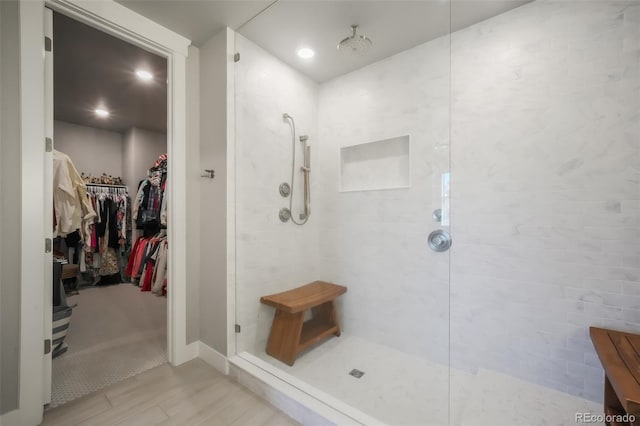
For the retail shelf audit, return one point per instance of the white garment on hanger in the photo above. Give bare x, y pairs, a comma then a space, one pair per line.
64, 196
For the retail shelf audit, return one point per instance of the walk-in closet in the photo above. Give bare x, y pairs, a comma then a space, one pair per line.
110, 211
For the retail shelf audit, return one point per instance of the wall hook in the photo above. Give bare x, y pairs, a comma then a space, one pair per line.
209, 173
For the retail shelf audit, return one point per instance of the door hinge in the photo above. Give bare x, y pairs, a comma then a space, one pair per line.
48, 144
237, 328
48, 245
48, 44
47, 346
236, 57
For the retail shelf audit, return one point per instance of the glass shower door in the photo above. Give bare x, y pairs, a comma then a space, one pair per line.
375, 114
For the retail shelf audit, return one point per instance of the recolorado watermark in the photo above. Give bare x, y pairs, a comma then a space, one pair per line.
605, 418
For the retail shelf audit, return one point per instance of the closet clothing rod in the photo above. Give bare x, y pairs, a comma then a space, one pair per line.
104, 185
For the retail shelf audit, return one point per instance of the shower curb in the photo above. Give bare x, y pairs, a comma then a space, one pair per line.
300, 401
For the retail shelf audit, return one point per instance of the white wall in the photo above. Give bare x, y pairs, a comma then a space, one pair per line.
545, 189
9, 206
271, 256
2, 61
193, 195
214, 58
140, 149
93, 151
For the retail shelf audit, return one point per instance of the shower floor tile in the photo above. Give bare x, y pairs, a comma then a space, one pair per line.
501, 399
402, 389
397, 388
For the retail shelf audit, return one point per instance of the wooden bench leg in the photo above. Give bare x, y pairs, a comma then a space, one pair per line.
285, 336
612, 405
327, 314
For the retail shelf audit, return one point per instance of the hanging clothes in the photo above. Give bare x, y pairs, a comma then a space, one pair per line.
147, 265
70, 204
109, 270
149, 206
160, 271
108, 226
108, 238
148, 203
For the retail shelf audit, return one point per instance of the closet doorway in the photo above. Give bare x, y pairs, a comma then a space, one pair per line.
110, 210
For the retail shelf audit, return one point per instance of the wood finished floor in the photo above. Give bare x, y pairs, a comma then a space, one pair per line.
191, 394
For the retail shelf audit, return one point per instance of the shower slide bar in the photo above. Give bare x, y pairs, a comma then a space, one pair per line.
285, 190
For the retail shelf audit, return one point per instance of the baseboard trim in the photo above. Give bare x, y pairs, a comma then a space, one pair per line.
213, 357
10, 418
184, 353
301, 401
191, 350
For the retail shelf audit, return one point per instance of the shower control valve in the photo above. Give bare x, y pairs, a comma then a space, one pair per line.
284, 215
284, 189
439, 240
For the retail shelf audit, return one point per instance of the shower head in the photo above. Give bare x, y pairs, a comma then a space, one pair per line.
355, 44
285, 116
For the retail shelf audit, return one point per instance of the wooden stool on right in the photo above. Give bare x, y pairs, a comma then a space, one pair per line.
619, 354
290, 334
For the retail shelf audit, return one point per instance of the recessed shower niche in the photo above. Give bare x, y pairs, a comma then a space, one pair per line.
383, 164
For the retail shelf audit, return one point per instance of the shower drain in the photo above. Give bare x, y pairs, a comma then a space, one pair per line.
356, 373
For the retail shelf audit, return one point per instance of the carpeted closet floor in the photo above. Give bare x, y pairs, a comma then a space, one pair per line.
116, 332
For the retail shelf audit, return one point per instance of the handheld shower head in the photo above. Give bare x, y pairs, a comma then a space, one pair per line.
285, 116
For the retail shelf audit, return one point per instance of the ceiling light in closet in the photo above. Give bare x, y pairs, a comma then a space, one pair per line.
306, 53
102, 113
144, 75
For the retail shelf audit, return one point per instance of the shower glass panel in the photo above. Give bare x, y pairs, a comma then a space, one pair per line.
545, 182
375, 114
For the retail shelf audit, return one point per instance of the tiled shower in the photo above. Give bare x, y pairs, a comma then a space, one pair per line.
524, 128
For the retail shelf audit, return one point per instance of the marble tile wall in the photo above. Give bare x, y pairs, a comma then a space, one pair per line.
545, 192
271, 256
375, 242
545, 186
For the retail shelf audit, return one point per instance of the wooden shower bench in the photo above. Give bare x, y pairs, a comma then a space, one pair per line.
619, 354
290, 334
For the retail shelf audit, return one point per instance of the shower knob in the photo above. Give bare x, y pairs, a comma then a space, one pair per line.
285, 189
284, 215
439, 240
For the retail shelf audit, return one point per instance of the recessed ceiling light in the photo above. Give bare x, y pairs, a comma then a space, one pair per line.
306, 53
102, 113
144, 75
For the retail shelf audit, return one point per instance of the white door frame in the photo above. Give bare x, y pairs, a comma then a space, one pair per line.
47, 373
117, 20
